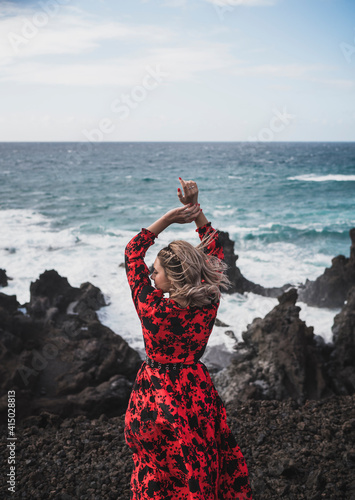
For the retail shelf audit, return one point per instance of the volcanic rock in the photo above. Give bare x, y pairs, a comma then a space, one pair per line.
292, 452
240, 284
53, 293
331, 288
343, 356
280, 358
59, 357
3, 278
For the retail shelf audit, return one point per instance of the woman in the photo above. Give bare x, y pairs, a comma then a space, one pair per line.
176, 423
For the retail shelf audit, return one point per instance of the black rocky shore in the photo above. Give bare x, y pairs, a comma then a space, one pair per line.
293, 452
289, 395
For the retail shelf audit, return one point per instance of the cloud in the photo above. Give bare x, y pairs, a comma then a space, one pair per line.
175, 3
28, 33
335, 83
294, 72
180, 63
279, 70
71, 32
187, 60
245, 3
220, 3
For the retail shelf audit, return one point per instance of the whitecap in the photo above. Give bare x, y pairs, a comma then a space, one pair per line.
97, 258
322, 178
320, 318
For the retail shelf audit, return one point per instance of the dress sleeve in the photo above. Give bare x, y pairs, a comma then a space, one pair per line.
214, 246
143, 293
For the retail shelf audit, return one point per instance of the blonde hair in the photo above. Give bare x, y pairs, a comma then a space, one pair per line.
195, 277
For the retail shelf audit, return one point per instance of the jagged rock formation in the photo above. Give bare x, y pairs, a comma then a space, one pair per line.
3, 278
59, 357
343, 356
331, 288
280, 358
240, 284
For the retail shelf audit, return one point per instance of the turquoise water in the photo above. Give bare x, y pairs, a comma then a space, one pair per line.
73, 206
300, 192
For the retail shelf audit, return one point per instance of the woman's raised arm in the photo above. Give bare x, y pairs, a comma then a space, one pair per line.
189, 194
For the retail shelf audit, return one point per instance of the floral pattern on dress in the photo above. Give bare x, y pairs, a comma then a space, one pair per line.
176, 422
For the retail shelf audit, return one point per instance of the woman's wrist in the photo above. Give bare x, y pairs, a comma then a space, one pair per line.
201, 220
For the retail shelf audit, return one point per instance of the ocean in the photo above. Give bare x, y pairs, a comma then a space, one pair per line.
74, 206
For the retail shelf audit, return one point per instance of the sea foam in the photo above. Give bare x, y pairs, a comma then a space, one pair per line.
322, 178
31, 244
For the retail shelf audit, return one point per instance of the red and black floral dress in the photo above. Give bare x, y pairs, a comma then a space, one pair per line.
176, 422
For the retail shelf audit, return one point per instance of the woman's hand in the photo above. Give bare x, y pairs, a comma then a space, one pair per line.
180, 215
183, 215
190, 192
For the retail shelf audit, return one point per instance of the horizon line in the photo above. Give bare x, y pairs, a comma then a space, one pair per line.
174, 142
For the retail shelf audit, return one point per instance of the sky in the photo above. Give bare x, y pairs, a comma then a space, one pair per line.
177, 70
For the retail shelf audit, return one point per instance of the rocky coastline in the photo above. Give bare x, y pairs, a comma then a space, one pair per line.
295, 452
57, 355
289, 395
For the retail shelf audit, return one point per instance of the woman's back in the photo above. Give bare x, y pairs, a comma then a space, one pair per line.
176, 422
172, 334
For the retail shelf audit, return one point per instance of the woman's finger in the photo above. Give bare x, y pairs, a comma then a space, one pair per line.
191, 188
183, 184
194, 208
184, 215
180, 196
191, 218
192, 212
